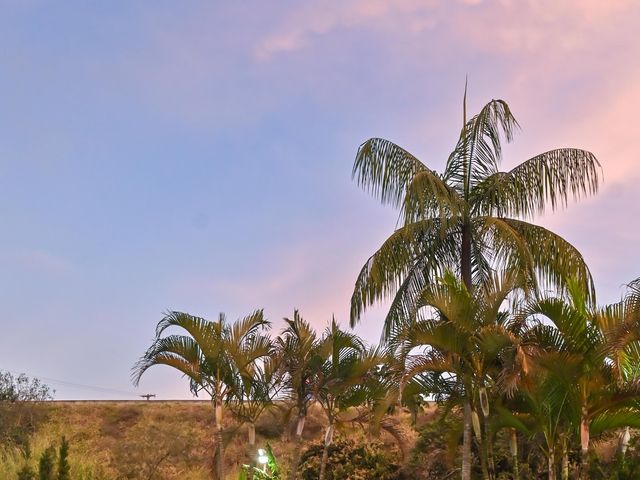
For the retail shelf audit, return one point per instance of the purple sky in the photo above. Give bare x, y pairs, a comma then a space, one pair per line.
197, 155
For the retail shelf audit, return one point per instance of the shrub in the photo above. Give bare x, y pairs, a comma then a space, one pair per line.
46, 466
63, 461
348, 460
26, 473
23, 389
434, 453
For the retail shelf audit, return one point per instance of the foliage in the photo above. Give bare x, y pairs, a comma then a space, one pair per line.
299, 349
348, 459
19, 417
469, 219
27, 473
23, 388
232, 363
434, 452
271, 469
63, 460
47, 464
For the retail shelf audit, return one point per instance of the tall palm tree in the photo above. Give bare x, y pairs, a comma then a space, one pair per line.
299, 348
468, 219
214, 355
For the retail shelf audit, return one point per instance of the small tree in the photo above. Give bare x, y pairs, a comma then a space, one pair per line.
213, 355
342, 380
46, 466
63, 462
299, 349
26, 473
23, 389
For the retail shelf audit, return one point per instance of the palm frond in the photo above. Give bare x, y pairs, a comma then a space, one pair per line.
479, 149
531, 247
385, 170
548, 179
418, 249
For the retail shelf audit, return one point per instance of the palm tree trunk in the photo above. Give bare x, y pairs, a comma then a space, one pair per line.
297, 449
466, 443
513, 445
552, 465
251, 431
625, 437
483, 460
480, 434
219, 459
328, 437
584, 445
488, 445
565, 460
465, 270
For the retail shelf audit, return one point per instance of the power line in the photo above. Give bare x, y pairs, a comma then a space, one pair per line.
73, 384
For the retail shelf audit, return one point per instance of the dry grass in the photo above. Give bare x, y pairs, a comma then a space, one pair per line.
161, 440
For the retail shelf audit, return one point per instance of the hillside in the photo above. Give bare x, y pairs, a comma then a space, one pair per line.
149, 439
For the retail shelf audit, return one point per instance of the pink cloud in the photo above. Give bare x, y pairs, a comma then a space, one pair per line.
320, 18
514, 26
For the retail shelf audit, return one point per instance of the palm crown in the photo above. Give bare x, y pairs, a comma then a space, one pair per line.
471, 218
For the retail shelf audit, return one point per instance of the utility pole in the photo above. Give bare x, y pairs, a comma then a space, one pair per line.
148, 396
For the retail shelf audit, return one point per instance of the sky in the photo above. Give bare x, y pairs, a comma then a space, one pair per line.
197, 156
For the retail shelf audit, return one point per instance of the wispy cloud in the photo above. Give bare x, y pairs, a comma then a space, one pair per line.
319, 18
515, 26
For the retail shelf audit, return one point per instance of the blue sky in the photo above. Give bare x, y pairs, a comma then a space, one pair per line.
197, 155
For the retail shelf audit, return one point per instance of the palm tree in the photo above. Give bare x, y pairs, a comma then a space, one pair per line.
342, 380
463, 344
541, 409
257, 386
584, 349
620, 322
469, 219
215, 356
299, 348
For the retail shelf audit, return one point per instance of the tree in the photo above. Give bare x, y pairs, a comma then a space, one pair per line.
64, 470
342, 379
47, 464
620, 322
470, 219
299, 349
19, 413
23, 389
256, 388
461, 348
583, 350
215, 356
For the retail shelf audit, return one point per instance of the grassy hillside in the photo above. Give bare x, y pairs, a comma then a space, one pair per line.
155, 439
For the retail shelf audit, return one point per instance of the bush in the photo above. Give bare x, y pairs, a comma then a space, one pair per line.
348, 460
435, 450
23, 389
63, 461
27, 473
46, 466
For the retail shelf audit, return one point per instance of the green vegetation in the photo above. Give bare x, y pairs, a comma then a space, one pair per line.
492, 318
227, 362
